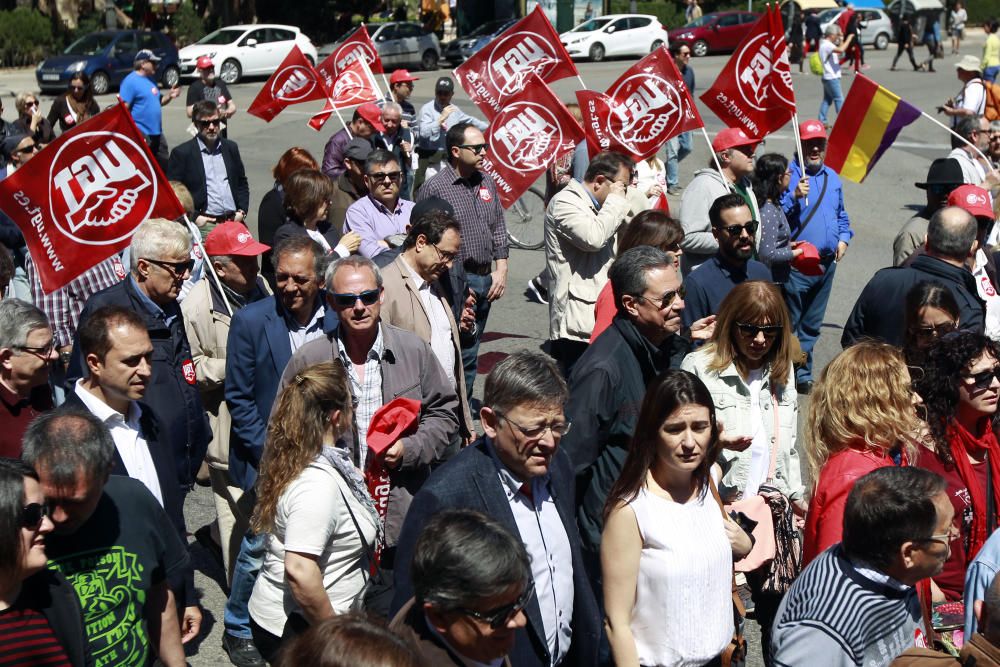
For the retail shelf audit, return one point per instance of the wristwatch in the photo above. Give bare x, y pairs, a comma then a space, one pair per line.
65, 357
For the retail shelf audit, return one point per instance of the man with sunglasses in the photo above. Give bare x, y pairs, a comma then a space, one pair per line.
212, 169
382, 213
734, 229
517, 474
27, 352
944, 175
16, 150
7, 129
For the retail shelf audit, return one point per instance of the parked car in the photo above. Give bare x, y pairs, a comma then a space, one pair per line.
399, 44
107, 58
715, 32
457, 51
876, 28
615, 35
246, 50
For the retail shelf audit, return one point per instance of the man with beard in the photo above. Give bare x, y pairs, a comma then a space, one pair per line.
734, 228
209, 88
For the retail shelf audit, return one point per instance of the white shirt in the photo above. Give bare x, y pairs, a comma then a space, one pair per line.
973, 172
442, 343
760, 447
131, 446
984, 286
972, 97
300, 334
830, 58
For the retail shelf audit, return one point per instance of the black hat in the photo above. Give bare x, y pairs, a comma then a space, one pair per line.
358, 149
425, 206
10, 144
943, 171
444, 85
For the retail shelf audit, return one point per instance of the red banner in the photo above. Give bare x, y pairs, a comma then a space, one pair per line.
350, 50
295, 81
500, 69
645, 107
533, 130
79, 200
353, 87
754, 90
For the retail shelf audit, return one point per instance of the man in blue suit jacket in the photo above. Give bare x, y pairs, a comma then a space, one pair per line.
517, 475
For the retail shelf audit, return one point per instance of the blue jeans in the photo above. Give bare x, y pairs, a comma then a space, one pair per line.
678, 148
236, 615
480, 286
806, 297
831, 94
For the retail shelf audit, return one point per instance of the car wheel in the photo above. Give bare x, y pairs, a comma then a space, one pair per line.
657, 44
699, 48
597, 53
429, 61
230, 72
882, 41
100, 83
171, 77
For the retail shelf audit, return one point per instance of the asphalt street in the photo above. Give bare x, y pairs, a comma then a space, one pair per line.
877, 208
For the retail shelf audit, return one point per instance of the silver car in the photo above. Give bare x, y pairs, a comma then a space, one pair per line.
399, 44
876, 28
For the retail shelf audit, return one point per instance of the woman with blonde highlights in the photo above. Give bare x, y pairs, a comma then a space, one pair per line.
861, 417
315, 507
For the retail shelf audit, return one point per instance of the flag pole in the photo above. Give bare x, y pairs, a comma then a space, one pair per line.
798, 147
384, 80
955, 134
371, 77
715, 158
207, 263
580, 79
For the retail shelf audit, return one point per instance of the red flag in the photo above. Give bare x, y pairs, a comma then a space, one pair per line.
294, 82
79, 200
350, 50
531, 132
645, 107
499, 70
354, 86
661, 204
754, 90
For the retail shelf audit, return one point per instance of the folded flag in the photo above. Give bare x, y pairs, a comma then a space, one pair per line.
870, 120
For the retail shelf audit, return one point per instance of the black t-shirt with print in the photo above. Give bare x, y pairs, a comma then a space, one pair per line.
126, 547
217, 93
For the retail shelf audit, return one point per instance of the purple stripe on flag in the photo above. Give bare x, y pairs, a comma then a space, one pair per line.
903, 115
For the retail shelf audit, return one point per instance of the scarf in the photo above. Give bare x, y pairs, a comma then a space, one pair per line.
341, 461
962, 445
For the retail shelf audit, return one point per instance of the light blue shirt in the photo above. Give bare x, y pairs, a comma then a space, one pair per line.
978, 578
220, 195
373, 222
431, 134
152, 307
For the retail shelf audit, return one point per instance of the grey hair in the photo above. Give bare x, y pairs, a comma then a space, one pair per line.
720, 156
524, 378
294, 245
392, 106
964, 128
628, 272
158, 237
62, 442
17, 320
951, 232
832, 29
463, 557
355, 261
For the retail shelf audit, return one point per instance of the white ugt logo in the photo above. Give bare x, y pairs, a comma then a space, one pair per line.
521, 58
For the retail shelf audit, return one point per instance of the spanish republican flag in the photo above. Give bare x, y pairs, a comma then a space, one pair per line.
868, 123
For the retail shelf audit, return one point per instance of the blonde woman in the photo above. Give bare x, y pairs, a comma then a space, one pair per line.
314, 505
861, 417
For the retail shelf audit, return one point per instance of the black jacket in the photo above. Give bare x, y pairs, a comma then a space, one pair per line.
880, 309
174, 399
186, 166
606, 391
49, 593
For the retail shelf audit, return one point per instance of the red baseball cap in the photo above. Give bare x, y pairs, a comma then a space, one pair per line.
204, 62
730, 138
233, 238
811, 129
401, 75
973, 199
391, 422
370, 112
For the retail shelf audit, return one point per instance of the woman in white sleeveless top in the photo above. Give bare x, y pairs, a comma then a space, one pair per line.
666, 551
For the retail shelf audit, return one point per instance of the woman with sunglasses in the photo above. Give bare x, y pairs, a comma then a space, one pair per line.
74, 106
861, 417
314, 505
31, 120
776, 250
931, 312
960, 387
307, 202
39, 610
667, 549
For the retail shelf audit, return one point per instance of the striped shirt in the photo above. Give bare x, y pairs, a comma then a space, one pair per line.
28, 639
366, 389
64, 305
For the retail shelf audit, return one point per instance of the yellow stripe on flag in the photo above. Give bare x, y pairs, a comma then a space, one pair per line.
870, 135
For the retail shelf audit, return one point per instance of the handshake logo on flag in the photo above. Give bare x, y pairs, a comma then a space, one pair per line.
515, 57
526, 136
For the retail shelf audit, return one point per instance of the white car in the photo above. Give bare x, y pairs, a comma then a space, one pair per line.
246, 50
615, 35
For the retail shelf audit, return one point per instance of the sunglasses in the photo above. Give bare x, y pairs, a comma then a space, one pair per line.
753, 330
983, 379
32, 515
176, 268
475, 148
209, 122
348, 299
27, 149
380, 176
935, 331
666, 300
737, 230
499, 617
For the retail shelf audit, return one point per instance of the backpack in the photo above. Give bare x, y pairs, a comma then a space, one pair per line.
815, 64
992, 109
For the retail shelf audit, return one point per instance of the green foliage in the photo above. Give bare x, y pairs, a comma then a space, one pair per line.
25, 37
982, 10
188, 27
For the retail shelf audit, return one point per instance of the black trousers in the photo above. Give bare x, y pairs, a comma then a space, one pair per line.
908, 47
270, 645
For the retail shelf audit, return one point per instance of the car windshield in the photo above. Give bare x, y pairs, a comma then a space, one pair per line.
91, 45
700, 21
488, 28
591, 25
829, 15
222, 37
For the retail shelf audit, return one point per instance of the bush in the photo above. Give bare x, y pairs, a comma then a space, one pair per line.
982, 10
187, 26
25, 37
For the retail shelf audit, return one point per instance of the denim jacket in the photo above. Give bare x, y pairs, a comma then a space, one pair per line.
731, 396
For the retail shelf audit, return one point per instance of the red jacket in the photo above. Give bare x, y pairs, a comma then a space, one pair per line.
825, 520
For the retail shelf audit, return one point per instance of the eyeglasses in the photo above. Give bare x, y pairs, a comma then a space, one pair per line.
666, 300
348, 299
32, 515
45, 351
444, 256
178, 269
983, 379
535, 432
752, 330
380, 176
737, 230
945, 538
475, 148
935, 331
208, 122
499, 617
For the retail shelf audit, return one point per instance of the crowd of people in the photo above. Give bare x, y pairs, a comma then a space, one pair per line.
630, 496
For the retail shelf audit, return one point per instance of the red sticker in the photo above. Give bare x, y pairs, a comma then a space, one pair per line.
119, 268
987, 286
484, 194
68, 119
196, 251
222, 100
188, 369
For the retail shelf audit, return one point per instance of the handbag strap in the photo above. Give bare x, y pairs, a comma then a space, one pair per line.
771, 469
814, 209
737, 601
373, 564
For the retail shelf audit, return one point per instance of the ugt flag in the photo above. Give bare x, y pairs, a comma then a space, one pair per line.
645, 107
354, 86
500, 69
754, 90
358, 45
294, 82
78, 201
532, 131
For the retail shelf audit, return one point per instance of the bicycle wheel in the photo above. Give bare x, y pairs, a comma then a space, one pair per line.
525, 221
